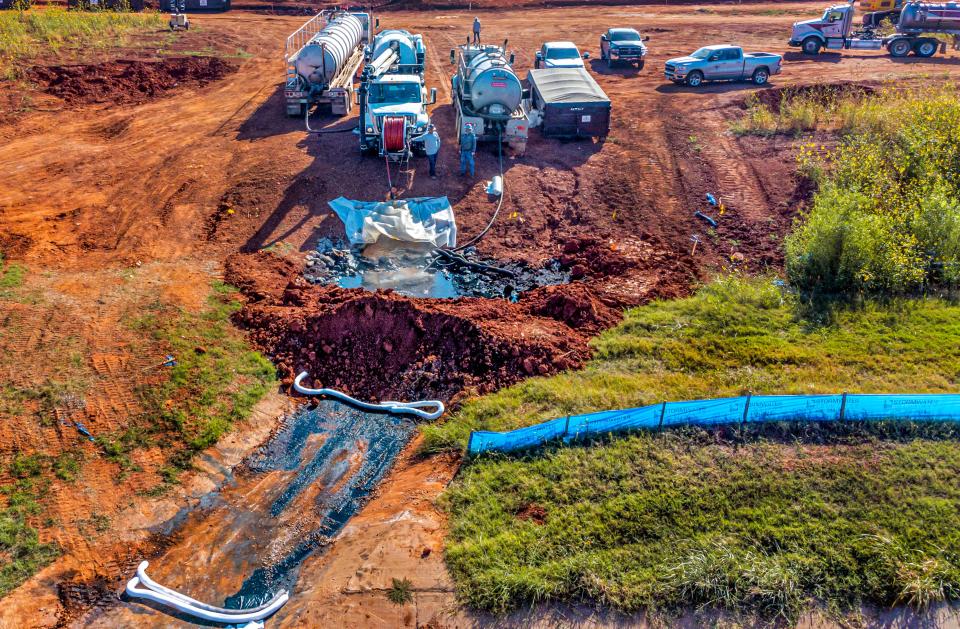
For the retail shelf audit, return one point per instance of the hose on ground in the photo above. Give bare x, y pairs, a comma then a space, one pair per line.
496, 212
156, 593
458, 259
396, 408
306, 121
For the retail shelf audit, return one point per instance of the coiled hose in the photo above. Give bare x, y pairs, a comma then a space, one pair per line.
397, 408
155, 592
394, 134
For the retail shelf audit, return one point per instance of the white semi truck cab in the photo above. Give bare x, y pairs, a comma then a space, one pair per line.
393, 97
834, 30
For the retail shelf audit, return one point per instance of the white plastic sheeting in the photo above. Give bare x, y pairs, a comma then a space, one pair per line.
421, 219
397, 408
153, 591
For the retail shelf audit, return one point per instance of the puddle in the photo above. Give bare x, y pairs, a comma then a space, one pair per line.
304, 485
416, 271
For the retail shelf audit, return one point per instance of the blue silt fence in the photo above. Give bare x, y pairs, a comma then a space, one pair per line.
750, 409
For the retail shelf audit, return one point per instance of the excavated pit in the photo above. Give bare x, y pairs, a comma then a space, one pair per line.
379, 345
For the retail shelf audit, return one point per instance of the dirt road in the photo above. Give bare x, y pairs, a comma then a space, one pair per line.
164, 187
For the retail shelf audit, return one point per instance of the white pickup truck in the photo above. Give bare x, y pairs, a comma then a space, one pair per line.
723, 63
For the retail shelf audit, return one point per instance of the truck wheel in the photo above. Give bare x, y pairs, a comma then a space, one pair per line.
695, 78
811, 46
761, 76
899, 48
925, 48
640, 65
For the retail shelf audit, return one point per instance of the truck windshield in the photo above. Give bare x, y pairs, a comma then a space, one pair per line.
562, 53
394, 93
703, 53
624, 36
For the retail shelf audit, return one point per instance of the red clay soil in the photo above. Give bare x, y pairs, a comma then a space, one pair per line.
383, 345
128, 81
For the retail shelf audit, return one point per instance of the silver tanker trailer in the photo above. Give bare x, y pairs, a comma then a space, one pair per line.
487, 93
322, 57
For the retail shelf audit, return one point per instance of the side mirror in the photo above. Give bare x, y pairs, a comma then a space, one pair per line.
603, 37
539, 55
512, 58
376, 23
453, 56
714, 58
433, 95
646, 38
356, 98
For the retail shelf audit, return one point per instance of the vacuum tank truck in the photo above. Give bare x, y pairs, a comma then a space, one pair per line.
392, 96
487, 94
321, 58
918, 21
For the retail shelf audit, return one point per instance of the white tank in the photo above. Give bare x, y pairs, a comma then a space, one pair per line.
328, 51
491, 86
407, 45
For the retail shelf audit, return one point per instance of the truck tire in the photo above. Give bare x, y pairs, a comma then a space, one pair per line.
640, 64
899, 48
760, 76
695, 78
811, 46
926, 47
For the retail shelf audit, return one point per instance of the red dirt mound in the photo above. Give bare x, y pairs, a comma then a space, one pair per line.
383, 345
573, 304
128, 81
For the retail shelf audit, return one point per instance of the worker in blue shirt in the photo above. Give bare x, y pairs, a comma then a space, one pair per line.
476, 29
468, 147
431, 146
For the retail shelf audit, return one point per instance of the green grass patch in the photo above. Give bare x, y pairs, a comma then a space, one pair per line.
766, 522
11, 278
25, 34
733, 336
217, 379
21, 553
688, 520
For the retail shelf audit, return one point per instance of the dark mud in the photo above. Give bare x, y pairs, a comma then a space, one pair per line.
416, 270
128, 81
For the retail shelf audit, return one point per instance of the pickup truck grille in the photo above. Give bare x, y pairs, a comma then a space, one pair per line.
669, 70
627, 51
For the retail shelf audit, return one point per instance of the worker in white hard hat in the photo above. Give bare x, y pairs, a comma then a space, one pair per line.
476, 29
431, 146
468, 147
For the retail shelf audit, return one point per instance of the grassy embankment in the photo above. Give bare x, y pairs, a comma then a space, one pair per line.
780, 518
216, 381
40, 31
767, 522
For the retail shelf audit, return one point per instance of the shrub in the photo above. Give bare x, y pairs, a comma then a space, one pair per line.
886, 219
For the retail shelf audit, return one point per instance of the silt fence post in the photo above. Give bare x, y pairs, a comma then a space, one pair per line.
746, 410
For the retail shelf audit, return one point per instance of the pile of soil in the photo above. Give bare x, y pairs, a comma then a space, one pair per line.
385, 346
128, 81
